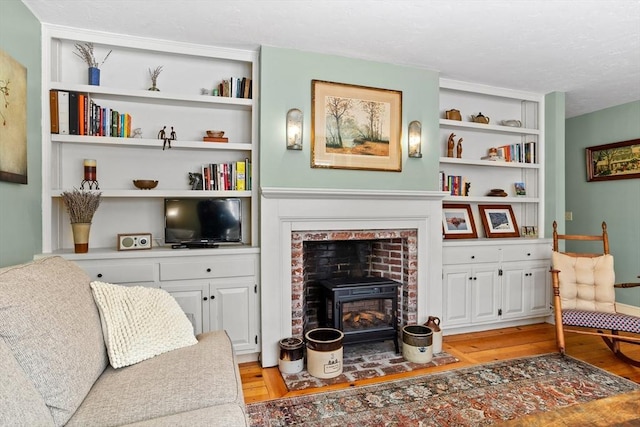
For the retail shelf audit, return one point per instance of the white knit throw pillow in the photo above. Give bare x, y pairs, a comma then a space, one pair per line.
139, 323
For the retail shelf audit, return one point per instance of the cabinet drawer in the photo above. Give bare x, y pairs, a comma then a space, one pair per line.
223, 267
526, 252
460, 255
120, 273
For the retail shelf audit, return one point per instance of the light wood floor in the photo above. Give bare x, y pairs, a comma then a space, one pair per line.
474, 348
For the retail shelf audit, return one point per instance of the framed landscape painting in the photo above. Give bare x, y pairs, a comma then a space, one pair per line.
355, 127
457, 222
619, 160
498, 221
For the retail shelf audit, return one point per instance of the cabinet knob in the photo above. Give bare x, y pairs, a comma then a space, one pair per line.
475, 278
213, 297
205, 298
99, 275
473, 257
528, 254
208, 270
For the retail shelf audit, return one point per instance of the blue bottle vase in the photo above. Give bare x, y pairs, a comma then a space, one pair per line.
94, 76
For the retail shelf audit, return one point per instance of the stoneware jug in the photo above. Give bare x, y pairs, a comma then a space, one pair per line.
433, 323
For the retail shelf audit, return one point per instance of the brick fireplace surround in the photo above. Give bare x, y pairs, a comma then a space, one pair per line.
290, 216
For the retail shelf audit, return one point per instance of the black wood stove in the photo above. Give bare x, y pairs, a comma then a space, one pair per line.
363, 308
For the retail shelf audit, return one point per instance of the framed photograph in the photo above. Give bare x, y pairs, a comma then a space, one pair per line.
498, 221
520, 189
619, 160
457, 221
13, 120
355, 127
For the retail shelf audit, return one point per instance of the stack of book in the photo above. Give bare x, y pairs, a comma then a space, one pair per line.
524, 152
75, 113
236, 87
231, 176
455, 185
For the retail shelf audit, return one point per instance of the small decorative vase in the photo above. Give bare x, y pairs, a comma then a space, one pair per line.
154, 88
94, 76
81, 237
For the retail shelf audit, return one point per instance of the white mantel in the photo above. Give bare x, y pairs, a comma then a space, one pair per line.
284, 210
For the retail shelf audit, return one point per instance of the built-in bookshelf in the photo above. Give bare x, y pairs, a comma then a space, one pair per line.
136, 133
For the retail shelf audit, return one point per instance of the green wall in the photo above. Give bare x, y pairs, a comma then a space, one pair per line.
285, 83
20, 205
617, 202
554, 143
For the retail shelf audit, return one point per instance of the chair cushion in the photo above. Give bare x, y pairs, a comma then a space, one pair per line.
586, 283
51, 325
139, 323
598, 320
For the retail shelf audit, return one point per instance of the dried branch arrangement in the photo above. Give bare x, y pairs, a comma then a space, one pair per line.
81, 205
85, 52
154, 74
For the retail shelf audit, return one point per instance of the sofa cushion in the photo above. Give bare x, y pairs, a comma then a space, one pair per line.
190, 378
227, 414
52, 326
586, 283
20, 402
139, 323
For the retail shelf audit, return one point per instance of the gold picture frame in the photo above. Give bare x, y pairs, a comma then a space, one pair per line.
355, 127
457, 221
498, 221
618, 160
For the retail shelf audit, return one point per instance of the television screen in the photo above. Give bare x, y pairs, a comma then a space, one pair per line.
202, 220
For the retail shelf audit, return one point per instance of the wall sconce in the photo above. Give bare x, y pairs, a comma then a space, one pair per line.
415, 139
294, 129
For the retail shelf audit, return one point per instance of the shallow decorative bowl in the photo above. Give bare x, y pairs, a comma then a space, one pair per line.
145, 184
215, 133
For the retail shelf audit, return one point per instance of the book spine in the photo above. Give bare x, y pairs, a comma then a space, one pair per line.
81, 115
73, 113
240, 176
63, 113
53, 110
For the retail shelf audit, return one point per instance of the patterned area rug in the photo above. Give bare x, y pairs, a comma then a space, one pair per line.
472, 396
362, 361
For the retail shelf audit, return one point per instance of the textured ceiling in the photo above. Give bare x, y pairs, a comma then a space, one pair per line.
589, 49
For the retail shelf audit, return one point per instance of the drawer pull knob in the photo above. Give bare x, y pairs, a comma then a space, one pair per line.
205, 298
473, 257
99, 275
208, 270
213, 297
528, 254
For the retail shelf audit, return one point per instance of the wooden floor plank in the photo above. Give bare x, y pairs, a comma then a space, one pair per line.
472, 348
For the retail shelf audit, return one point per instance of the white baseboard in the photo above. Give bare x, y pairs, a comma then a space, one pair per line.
631, 310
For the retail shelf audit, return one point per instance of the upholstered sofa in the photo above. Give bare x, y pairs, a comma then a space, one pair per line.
56, 368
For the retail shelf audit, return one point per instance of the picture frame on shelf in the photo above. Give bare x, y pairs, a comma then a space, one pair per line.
520, 189
530, 231
498, 221
356, 144
618, 160
457, 221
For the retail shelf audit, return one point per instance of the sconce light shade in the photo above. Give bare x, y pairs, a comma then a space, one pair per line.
294, 129
415, 139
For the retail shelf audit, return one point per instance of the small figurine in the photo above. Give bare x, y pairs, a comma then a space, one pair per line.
467, 188
450, 144
137, 133
459, 149
162, 133
173, 134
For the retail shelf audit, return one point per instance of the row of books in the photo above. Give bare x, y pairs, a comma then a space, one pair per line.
227, 176
240, 87
524, 152
75, 113
455, 185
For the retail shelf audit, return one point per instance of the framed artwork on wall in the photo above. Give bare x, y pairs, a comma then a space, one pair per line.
498, 221
618, 160
13, 120
355, 127
457, 221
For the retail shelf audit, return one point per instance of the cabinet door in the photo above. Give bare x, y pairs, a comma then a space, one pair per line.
539, 283
234, 310
194, 300
457, 295
514, 290
485, 295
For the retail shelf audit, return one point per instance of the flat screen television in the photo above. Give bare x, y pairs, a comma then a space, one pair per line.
211, 220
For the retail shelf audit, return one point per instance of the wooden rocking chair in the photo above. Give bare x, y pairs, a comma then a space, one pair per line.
584, 296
